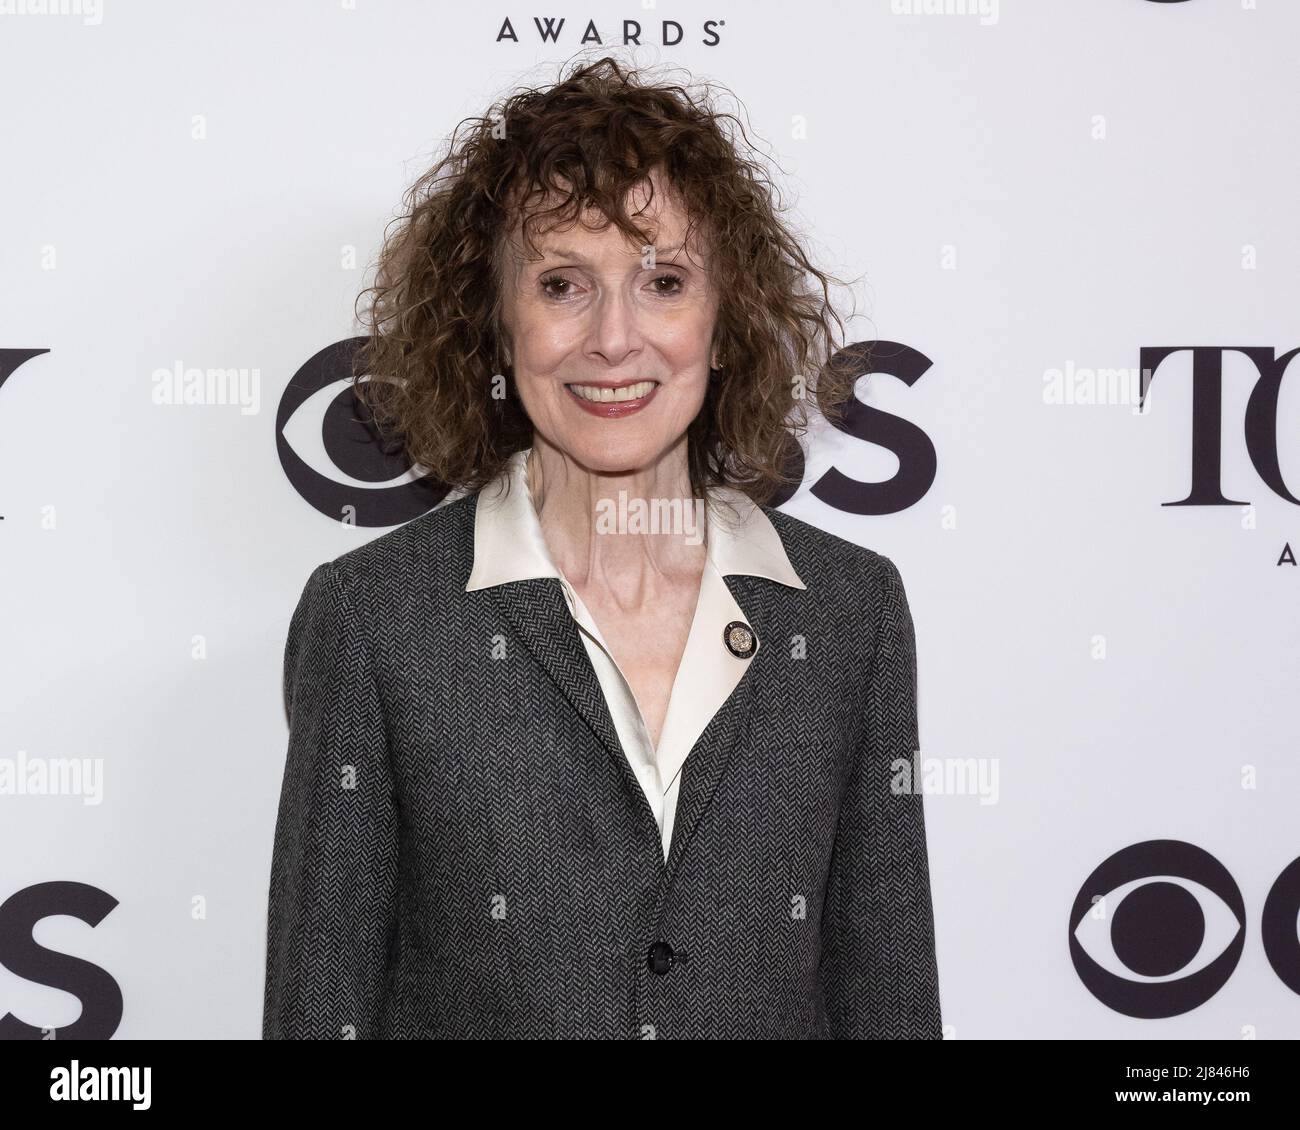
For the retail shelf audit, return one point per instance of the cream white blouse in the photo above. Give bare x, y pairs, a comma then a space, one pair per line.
509, 546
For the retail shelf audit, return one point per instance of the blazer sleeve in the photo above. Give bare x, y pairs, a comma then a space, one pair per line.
879, 971
332, 905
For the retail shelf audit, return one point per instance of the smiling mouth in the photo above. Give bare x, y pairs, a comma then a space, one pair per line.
613, 402
603, 394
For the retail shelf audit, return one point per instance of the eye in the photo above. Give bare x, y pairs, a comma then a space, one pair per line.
676, 282
558, 287
546, 282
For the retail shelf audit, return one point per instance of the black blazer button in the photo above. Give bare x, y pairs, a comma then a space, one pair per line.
660, 958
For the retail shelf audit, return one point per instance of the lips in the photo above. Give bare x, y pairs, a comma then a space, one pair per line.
613, 401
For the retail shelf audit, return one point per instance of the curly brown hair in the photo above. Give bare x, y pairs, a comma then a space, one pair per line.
435, 342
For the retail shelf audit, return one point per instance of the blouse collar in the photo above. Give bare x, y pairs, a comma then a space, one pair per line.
509, 545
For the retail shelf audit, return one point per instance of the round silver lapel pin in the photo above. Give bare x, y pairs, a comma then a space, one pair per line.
740, 639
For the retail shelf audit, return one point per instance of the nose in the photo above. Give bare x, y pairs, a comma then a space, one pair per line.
615, 330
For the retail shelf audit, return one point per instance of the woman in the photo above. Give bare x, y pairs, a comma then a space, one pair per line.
603, 747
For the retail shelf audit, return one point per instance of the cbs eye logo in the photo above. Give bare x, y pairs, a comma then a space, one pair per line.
1159, 927
330, 451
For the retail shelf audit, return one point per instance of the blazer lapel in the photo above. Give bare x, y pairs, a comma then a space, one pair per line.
722, 737
537, 611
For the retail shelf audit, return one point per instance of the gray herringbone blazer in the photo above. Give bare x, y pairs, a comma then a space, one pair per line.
462, 849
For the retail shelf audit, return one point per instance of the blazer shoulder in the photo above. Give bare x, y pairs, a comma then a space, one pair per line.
820, 555
434, 549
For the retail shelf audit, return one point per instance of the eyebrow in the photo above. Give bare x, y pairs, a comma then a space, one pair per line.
568, 253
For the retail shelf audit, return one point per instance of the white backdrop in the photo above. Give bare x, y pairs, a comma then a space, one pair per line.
1027, 188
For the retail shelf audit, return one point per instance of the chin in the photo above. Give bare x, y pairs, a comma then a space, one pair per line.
607, 448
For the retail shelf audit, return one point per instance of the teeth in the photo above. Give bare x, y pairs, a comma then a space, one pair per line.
613, 395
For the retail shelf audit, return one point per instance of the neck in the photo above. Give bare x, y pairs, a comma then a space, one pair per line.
633, 533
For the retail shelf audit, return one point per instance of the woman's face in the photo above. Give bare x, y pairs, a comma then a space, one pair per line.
610, 342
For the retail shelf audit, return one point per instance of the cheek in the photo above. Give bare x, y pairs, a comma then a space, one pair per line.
692, 397
540, 396
693, 379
